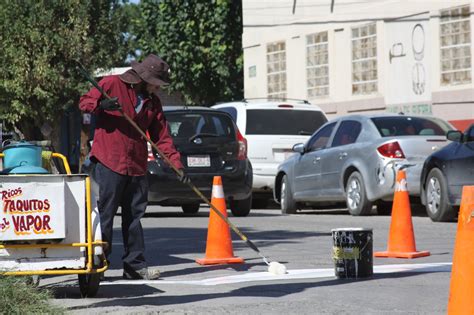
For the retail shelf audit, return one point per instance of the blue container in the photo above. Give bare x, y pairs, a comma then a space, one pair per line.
27, 170
21, 154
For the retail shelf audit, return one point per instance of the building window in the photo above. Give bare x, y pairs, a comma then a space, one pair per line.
252, 71
455, 39
364, 59
317, 65
276, 70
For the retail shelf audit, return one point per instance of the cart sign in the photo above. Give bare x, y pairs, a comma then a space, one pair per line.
32, 211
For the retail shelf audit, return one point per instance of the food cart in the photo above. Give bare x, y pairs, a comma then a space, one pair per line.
48, 226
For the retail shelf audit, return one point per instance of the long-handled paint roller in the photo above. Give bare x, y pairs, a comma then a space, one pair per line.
274, 267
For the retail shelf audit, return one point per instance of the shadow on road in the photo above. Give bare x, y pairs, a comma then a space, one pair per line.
193, 241
203, 212
271, 289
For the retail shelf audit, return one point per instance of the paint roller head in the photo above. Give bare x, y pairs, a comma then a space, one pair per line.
276, 268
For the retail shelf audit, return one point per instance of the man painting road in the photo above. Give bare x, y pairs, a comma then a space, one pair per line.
119, 153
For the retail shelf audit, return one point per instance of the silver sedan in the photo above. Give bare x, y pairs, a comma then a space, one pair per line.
354, 159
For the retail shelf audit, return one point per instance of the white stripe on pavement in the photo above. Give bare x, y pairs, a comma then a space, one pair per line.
292, 274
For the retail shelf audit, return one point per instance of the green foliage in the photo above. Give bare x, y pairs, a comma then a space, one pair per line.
201, 40
19, 297
39, 42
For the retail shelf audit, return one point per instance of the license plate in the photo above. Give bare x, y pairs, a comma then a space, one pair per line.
199, 161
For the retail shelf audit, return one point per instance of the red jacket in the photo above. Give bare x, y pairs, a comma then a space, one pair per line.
117, 144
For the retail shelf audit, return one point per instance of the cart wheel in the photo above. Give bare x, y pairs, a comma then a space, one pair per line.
89, 284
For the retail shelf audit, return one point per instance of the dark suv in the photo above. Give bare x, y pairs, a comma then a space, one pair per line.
210, 144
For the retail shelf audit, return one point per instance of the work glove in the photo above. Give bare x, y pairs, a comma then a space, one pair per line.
109, 104
183, 177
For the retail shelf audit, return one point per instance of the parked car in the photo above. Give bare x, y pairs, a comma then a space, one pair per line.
271, 128
210, 144
444, 174
354, 159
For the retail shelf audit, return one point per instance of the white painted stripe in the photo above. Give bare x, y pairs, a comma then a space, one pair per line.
217, 191
291, 275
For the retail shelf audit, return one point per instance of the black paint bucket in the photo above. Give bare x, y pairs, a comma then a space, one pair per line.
352, 252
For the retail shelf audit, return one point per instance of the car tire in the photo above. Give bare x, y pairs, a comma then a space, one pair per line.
437, 202
190, 208
241, 208
356, 196
288, 204
384, 207
259, 203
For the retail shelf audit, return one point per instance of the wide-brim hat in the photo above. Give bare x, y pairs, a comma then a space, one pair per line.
152, 70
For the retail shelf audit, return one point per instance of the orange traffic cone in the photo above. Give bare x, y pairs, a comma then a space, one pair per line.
461, 292
219, 243
401, 241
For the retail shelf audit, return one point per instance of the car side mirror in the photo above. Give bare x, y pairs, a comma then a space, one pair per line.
454, 135
299, 148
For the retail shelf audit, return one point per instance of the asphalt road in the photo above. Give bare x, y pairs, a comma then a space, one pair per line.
302, 242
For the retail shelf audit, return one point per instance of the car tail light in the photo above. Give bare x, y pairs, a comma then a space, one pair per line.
242, 155
285, 106
391, 150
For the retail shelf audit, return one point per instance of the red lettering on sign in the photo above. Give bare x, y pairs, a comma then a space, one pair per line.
16, 224
4, 225
46, 205
29, 221
23, 225
10, 193
46, 220
26, 206
5, 205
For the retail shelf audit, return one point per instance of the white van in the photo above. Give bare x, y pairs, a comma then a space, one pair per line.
271, 128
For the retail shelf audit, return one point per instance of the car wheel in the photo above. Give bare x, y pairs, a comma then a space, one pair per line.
190, 208
259, 203
241, 208
384, 208
437, 203
356, 197
288, 204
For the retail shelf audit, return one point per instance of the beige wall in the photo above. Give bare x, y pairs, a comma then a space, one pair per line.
269, 21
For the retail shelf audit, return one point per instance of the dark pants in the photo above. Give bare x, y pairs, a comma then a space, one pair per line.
131, 193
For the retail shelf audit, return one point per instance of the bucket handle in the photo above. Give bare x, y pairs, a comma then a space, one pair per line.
6, 142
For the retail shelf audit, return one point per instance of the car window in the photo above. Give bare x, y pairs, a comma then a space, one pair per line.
320, 139
283, 122
410, 126
470, 134
232, 111
347, 133
185, 125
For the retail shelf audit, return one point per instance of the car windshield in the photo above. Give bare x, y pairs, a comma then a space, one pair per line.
410, 126
283, 122
185, 125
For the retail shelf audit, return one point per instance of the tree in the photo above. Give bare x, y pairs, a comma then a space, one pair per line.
202, 42
39, 44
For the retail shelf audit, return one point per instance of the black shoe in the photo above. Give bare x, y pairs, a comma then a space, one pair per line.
142, 274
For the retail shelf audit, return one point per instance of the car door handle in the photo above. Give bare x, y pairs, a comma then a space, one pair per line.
316, 160
342, 155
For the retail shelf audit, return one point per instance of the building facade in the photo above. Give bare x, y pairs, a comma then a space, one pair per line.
411, 56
